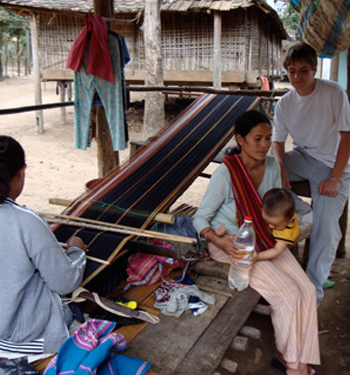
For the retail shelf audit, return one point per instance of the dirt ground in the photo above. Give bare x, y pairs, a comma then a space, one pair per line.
57, 169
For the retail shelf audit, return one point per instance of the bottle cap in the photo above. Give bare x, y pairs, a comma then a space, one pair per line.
248, 218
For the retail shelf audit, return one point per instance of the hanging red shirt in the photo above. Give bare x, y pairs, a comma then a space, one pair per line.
99, 59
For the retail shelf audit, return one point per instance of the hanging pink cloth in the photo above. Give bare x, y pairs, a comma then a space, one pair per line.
99, 59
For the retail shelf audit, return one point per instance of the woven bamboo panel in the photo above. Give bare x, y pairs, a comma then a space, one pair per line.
187, 41
234, 39
56, 35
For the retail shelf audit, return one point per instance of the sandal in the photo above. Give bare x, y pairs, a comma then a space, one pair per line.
328, 284
278, 365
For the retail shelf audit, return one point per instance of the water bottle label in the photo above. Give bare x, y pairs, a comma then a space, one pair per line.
245, 255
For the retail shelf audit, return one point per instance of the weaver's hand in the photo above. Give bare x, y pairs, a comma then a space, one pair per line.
329, 187
76, 241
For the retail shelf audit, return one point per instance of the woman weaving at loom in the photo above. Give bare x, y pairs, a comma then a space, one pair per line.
33, 267
233, 192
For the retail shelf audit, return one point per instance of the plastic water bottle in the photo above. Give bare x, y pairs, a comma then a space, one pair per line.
238, 276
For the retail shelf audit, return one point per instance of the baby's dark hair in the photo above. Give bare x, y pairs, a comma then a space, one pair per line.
244, 124
278, 202
299, 52
12, 159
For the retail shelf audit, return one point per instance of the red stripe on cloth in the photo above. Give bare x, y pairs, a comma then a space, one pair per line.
248, 201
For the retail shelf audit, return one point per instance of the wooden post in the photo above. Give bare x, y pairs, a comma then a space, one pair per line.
107, 158
334, 68
260, 47
28, 68
154, 117
250, 44
63, 99
217, 51
348, 73
36, 67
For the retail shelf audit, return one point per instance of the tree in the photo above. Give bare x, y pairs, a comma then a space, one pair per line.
154, 103
12, 27
4, 36
289, 17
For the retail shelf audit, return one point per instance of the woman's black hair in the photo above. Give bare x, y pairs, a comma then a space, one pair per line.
12, 159
244, 124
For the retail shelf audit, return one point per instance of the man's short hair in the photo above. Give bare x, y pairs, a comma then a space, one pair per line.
300, 51
278, 202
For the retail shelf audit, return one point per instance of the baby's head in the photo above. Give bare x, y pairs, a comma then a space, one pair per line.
278, 208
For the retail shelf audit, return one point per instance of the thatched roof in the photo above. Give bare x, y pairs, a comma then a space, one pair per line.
136, 6
133, 5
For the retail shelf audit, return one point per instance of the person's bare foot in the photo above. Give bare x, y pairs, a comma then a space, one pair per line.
303, 369
311, 370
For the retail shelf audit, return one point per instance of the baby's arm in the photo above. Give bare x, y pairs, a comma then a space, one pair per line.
272, 253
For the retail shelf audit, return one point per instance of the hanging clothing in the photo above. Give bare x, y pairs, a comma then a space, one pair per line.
111, 95
99, 61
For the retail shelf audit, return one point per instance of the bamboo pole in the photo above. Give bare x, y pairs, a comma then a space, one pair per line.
160, 217
94, 259
105, 226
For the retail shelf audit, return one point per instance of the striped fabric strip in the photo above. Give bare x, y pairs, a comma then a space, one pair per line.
248, 201
150, 182
31, 347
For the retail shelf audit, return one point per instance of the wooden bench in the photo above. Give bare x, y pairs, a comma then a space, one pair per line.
196, 344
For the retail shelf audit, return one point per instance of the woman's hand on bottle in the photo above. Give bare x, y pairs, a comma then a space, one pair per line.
227, 244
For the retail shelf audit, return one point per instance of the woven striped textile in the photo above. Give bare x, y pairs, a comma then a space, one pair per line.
150, 182
248, 202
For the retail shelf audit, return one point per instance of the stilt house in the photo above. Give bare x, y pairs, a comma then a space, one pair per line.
244, 36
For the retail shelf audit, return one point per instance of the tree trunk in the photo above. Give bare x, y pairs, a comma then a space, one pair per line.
36, 67
348, 73
28, 59
18, 57
107, 158
154, 105
1, 69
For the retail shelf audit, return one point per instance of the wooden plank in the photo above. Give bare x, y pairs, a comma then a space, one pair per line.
191, 76
138, 76
217, 286
212, 268
212, 345
166, 344
57, 75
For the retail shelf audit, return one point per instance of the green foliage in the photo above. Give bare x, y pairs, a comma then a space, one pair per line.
289, 16
12, 36
290, 20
